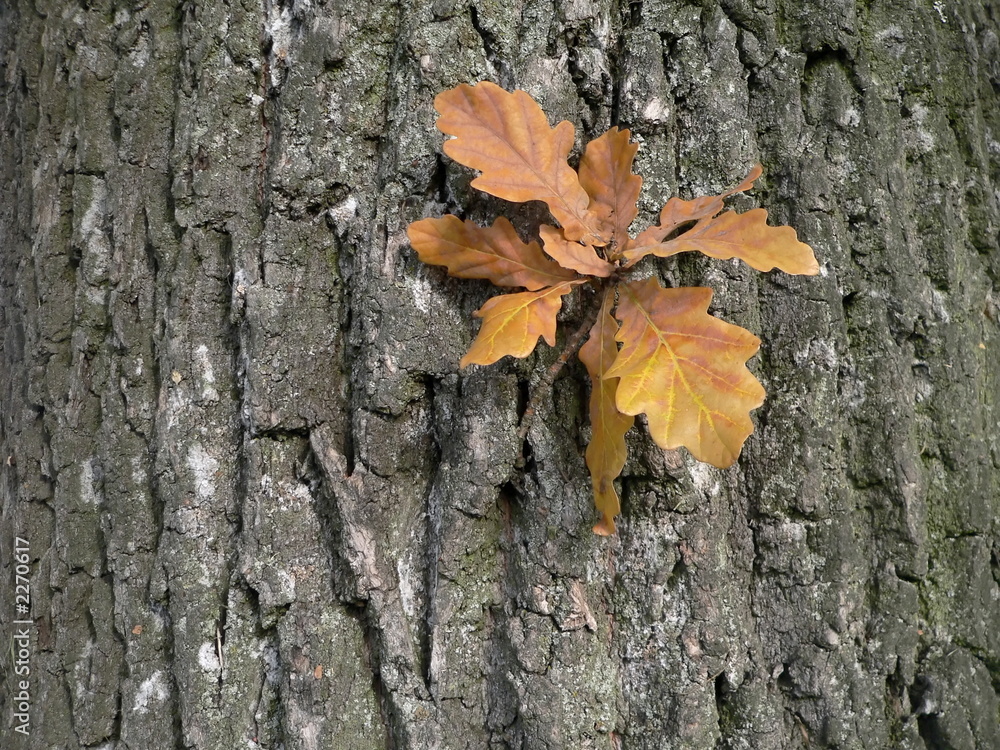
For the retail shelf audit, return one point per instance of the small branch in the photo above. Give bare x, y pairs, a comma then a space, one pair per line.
543, 387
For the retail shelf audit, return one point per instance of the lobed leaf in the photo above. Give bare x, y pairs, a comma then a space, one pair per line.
685, 370
606, 175
512, 324
678, 211
470, 251
582, 258
606, 452
745, 236
507, 137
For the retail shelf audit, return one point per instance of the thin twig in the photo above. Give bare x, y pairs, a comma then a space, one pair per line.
544, 386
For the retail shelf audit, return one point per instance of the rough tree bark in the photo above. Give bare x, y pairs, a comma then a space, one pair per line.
263, 507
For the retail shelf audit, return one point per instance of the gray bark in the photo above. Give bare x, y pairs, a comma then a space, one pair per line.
264, 507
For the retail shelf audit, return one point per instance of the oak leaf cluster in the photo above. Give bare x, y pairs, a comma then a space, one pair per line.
651, 350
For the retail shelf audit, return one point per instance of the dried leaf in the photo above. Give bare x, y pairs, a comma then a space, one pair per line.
512, 324
606, 452
744, 236
685, 370
606, 175
507, 137
470, 251
582, 258
678, 211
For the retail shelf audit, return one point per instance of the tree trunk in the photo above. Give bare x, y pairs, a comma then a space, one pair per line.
260, 505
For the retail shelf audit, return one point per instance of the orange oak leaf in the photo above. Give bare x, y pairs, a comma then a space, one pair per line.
512, 324
678, 211
573, 255
470, 251
685, 370
745, 236
606, 175
606, 452
507, 137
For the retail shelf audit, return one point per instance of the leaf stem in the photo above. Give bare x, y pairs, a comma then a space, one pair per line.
544, 386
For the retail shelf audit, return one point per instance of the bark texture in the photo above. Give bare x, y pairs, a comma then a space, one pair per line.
265, 509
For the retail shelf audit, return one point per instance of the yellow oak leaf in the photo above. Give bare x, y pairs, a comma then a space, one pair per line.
685, 370
606, 452
512, 324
